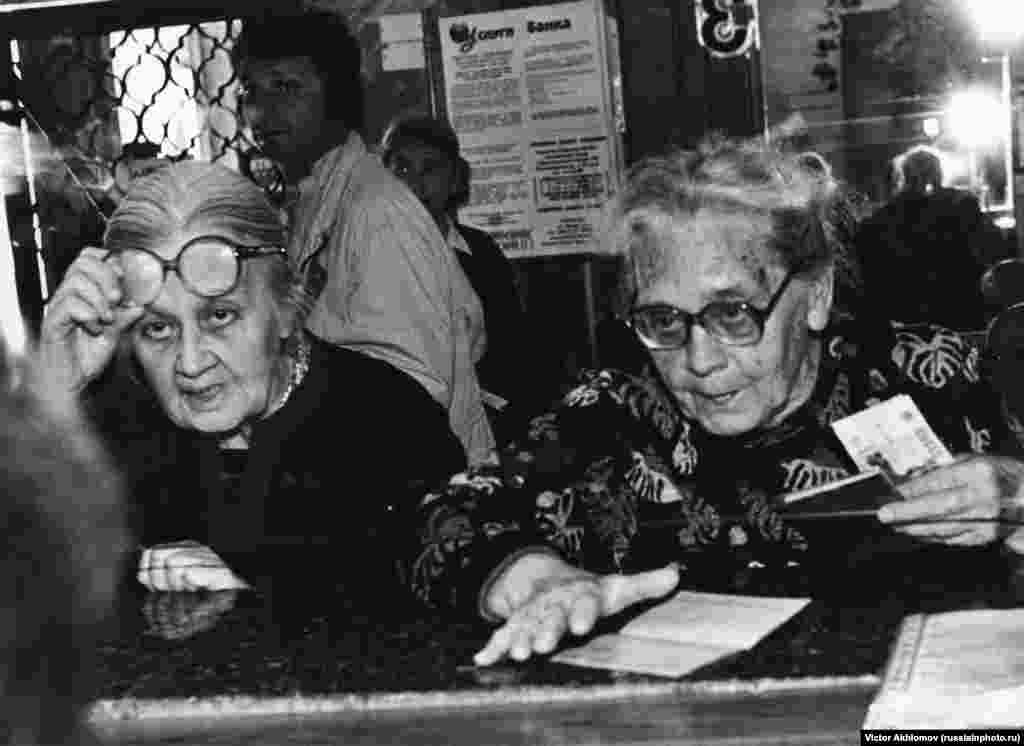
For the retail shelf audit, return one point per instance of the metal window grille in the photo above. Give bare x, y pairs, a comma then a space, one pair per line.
172, 87
92, 102
175, 88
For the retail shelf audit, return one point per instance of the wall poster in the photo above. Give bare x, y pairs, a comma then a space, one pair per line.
530, 93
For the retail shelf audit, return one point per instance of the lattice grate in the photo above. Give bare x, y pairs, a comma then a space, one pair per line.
92, 102
172, 88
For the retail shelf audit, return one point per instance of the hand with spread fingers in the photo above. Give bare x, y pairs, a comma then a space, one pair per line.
85, 318
542, 597
975, 500
186, 566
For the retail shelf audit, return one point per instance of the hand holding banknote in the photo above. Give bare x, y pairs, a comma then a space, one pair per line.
974, 500
964, 501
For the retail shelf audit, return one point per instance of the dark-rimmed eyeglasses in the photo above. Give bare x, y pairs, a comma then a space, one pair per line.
661, 326
207, 265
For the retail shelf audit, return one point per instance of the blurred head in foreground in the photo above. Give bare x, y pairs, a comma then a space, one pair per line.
64, 539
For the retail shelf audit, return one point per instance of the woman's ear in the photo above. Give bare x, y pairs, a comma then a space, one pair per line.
287, 320
819, 302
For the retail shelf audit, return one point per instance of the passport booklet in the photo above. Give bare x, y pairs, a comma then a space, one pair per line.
889, 443
857, 496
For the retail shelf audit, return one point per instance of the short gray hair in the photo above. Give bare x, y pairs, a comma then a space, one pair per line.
175, 198
810, 214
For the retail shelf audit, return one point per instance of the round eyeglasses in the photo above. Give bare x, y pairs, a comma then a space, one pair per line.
664, 327
207, 265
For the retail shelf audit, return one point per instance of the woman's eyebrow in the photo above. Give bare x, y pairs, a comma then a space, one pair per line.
237, 299
728, 293
234, 297
739, 290
732, 293
152, 311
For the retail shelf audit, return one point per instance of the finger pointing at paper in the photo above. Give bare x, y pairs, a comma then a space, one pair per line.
542, 597
970, 502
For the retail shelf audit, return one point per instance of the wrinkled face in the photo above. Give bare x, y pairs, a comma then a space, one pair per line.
426, 170
285, 104
213, 363
732, 390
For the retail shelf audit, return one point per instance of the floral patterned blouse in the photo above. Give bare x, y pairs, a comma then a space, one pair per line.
615, 479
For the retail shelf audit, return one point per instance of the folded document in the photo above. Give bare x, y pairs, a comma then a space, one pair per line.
684, 633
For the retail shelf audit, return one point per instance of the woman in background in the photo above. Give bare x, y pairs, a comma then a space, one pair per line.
424, 153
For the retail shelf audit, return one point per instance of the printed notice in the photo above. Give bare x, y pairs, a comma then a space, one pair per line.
530, 98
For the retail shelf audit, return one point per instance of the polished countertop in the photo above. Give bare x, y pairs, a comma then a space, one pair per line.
298, 641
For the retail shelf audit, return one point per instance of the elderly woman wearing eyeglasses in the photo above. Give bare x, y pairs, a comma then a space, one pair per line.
244, 440
730, 264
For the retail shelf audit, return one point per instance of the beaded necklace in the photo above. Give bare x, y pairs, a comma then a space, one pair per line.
300, 366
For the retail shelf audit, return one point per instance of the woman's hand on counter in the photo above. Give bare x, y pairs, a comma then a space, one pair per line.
542, 597
186, 566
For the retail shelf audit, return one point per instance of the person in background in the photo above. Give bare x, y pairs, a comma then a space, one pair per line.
924, 252
249, 447
424, 153
729, 264
65, 539
385, 282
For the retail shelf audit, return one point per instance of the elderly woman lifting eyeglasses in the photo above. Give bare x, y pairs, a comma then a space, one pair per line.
243, 438
731, 260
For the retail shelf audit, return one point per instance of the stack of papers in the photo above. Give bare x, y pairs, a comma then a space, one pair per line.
961, 669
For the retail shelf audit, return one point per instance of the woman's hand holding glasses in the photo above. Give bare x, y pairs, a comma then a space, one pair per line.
84, 319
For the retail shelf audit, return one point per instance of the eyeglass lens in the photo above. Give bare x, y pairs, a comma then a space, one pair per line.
143, 276
669, 327
208, 268
732, 322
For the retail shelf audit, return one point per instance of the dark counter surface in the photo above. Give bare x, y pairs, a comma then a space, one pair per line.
297, 636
